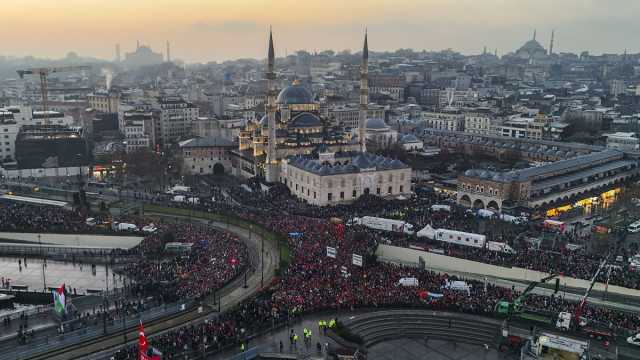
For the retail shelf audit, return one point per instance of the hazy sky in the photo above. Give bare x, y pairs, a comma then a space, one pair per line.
203, 30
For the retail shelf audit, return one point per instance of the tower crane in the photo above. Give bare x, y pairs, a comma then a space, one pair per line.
44, 81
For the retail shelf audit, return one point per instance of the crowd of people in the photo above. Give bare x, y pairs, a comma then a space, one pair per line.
315, 282
213, 259
20, 217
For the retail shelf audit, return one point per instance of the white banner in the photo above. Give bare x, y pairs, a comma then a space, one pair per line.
357, 260
331, 252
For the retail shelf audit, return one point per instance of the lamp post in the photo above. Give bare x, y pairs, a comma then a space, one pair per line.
44, 264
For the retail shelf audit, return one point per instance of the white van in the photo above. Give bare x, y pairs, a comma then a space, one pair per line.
634, 227
564, 321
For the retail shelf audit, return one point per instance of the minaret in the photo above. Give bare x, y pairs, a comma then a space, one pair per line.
551, 43
271, 165
535, 31
118, 53
168, 52
364, 95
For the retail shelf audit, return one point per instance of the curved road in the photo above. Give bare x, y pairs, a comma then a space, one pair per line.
232, 294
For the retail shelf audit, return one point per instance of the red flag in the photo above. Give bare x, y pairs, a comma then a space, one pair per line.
142, 343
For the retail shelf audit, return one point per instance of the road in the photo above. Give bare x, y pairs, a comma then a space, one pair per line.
231, 295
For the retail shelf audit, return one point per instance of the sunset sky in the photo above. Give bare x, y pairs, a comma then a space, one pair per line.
204, 30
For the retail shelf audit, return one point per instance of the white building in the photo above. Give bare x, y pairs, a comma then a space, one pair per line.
176, 118
206, 156
623, 141
524, 128
342, 178
451, 97
410, 142
347, 115
379, 133
477, 123
447, 120
138, 129
8, 133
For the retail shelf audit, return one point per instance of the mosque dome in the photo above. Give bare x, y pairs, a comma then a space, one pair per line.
376, 124
264, 121
305, 120
295, 94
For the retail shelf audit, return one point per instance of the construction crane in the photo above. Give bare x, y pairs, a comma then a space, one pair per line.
510, 308
44, 81
567, 320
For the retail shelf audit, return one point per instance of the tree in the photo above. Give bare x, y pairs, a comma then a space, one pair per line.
144, 163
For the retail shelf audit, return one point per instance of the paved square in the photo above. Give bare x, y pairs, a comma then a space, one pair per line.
75, 276
413, 349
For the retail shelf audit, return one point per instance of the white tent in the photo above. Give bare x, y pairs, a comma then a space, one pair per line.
427, 232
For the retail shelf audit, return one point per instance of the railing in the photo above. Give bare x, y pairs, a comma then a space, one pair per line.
47, 343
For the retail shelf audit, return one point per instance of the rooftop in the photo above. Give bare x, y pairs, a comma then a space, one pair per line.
210, 141
348, 163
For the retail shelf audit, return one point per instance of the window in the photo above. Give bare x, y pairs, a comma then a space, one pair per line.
329, 196
341, 195
401, 176
401, 188
389, 190
354, 181
296, 187
342, 183
390, 177
353, 194
329, 184
378, 191
314, 194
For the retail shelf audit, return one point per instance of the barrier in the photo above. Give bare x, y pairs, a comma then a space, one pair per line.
381, 326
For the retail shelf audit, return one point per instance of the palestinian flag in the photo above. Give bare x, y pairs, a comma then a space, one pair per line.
144, 350
59, 300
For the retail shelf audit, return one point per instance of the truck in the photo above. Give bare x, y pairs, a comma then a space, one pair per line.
516, 308
126, 227
383, 224
460, 238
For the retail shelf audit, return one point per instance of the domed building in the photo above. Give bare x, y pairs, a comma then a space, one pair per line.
531, 51
298, 129
380, 134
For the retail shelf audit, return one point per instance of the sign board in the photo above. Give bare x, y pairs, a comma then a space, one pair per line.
408, 281
331, 252
357, 260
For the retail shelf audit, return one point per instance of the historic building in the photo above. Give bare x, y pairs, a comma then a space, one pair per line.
556, 184
206, 155
321, 163
291, 126
339, 178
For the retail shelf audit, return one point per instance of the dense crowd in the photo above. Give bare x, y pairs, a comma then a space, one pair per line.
549, 256
20, 217
314, 282
214, 258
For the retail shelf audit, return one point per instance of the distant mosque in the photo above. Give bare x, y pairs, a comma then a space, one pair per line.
533, 52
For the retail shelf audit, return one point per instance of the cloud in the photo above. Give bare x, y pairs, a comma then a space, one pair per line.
227, 26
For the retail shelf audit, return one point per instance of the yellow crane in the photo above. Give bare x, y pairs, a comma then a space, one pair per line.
44, 81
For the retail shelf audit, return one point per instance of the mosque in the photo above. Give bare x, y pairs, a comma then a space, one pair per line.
533, 52
293, 144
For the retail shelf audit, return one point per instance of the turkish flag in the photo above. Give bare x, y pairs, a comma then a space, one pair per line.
142, 343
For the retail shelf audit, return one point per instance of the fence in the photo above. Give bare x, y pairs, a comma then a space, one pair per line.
43, 344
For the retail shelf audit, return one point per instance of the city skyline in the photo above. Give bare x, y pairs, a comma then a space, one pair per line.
201, 31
